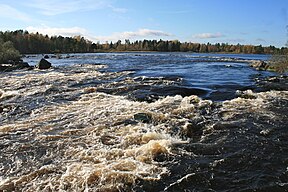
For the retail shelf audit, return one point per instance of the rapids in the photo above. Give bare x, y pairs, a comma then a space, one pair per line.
87, 127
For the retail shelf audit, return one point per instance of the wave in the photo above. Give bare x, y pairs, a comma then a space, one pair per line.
60, 133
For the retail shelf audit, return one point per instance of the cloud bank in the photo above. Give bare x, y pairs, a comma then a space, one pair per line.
134, 35
74, 31
54, 31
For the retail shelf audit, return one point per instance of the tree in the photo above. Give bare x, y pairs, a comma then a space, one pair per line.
280, 61
8, 52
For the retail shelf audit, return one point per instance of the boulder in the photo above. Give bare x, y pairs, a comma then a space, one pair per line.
22, 65
46, 56
5, 67
14, 66
43, 64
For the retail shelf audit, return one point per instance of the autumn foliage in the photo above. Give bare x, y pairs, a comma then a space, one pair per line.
27, 43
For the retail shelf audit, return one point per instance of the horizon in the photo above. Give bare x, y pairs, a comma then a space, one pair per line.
233, 22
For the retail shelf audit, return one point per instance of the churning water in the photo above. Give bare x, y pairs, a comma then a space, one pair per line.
142, 122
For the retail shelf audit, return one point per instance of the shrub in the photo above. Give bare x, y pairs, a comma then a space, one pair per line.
8, 52
279, 63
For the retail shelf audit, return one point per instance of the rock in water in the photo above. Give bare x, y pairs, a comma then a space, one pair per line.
43, 64
22, 65
14, 66
143, 117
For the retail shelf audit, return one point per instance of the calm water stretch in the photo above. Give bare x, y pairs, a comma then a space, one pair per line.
142, 122
211, 80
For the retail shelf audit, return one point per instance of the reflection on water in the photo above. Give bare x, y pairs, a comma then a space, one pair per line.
95, 128
218, 80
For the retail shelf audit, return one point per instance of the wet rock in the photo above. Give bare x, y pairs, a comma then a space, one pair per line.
248, 94
279, 83
125, 122
226, 125
22, 65
109, 140
43, 64
160, 157
5, 67
14, 65
46, 56
143, 117
194, 128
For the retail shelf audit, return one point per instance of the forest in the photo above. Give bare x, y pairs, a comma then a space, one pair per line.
35, 43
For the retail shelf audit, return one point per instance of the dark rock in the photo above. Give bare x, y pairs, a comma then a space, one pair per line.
160, 157
14, 66
6, 67
46, 57
279, 83
109, 140
43, 64
248, 94
194, 129
226, 125
143, 117
126, 122
22, 65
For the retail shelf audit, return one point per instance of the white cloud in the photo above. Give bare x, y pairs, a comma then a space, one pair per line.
65, 32
55, 7
10, 12
208, 35
134, 35
74, 31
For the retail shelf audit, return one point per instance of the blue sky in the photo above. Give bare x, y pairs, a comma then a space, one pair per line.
224, 21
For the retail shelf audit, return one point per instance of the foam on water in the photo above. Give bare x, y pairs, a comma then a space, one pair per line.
85, 143
59, 133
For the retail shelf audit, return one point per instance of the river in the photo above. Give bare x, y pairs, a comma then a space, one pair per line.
142, 122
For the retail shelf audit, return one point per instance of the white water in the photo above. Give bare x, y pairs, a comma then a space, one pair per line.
93, 142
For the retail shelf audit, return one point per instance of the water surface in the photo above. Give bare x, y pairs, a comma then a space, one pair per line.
142, 122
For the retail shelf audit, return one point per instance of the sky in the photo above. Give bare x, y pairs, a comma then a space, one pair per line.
216, 21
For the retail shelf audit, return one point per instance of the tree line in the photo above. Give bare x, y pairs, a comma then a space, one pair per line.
28, 43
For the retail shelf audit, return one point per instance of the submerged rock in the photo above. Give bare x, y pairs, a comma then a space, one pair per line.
143, 117
44, 64
279, 83
248, 94
14, 65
